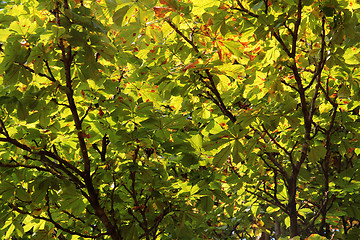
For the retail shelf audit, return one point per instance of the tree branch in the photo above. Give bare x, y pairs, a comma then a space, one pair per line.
276, 142
40, 74
49, 70
320, 67
212, 87
112, 210
267, 200
94, 227
158, 220
243, 9
289, 29
57, 225
278, 165
60, 104
17, 165
43, 157
182, 35
283, 45
86, 113
289, 85
3, 129
296, 29
67, 58
311, 223
220, 104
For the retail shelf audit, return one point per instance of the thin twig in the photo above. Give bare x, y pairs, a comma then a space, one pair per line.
282, 43
60, 104
86, 113
322, 61
112, 210
243, 9
289, 85
56, 224
40, 74
267, 200
275, 141
289, 29
6, 165
49, 70
3, 128
182, 35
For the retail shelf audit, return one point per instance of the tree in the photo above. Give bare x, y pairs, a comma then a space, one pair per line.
179, 119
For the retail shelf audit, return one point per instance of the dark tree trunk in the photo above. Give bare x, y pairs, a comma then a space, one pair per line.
292, 206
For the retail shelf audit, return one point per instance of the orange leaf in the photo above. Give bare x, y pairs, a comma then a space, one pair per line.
220, 54
161, 11
205, 30
350, 150
190, 65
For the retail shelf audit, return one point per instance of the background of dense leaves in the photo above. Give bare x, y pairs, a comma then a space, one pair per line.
169, 119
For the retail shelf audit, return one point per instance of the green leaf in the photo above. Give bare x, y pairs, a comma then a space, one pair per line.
230, 210
328, 11
316, 237
234, 48
237, 147
130, 232
196, 141
19, 228
287, 222
344, 92
23, 195
255, 210
10, 231
272, 55
119, 14
232, 70
272, 209
58, 31
217, 140
158, 134
157, 35
189, 159
11, 75
22, 112
206, 204
221, 157
317, 153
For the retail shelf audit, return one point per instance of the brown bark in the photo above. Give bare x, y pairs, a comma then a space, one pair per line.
292, 206
278, 229
67, 59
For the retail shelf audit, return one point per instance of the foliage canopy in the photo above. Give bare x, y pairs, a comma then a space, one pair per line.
198, 119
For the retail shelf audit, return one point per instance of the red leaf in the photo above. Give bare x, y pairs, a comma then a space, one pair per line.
101, 113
